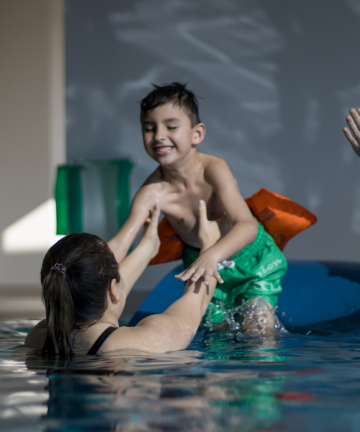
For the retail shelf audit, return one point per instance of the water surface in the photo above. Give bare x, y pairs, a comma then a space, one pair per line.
223, 382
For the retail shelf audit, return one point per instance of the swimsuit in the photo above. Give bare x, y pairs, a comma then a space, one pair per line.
100, 340
254, 271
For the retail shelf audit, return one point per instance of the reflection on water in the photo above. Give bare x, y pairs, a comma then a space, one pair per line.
224, 382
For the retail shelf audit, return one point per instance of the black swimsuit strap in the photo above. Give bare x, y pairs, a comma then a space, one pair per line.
100, 340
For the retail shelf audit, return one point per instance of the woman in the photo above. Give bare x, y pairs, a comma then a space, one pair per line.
84, 295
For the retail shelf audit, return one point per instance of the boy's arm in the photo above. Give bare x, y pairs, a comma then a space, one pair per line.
242, 233
353, 121
141, 208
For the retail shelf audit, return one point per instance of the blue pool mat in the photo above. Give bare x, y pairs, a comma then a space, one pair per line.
313, 292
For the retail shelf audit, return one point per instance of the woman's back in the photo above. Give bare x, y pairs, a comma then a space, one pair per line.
91, 341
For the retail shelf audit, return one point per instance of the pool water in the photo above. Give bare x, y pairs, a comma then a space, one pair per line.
223, 382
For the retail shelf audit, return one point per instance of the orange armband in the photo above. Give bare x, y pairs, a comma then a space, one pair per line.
281, 217
171, 245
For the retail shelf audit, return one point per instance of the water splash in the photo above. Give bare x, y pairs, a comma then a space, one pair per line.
252, 317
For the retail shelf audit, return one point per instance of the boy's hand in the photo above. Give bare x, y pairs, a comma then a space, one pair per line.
353, 121
206, 265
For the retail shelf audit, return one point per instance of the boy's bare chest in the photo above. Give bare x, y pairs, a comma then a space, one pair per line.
182, 210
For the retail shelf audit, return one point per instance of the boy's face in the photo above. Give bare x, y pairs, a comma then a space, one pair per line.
167, 134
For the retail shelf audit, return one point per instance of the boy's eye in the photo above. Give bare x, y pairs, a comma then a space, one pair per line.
148, 129
171, 127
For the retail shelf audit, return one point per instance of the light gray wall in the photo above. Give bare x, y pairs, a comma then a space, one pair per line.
276, 78
32, 122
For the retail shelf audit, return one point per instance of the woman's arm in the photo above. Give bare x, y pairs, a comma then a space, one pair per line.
135, 263
175, 328
141, 206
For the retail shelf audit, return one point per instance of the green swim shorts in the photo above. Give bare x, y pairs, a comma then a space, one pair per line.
255, 271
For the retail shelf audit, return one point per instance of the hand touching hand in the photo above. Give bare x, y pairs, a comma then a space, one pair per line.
206, 265
353, 121
150, 236
209, 231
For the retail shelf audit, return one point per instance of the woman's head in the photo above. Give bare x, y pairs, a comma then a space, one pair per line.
75, 275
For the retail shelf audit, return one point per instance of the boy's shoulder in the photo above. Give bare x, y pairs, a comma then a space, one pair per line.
153, 184
214, 166
155, 179
150, 190
211, 161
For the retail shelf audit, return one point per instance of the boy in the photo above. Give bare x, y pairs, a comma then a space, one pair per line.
172, 131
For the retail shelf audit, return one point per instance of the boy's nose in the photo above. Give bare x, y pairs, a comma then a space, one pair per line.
160, 133
159, 137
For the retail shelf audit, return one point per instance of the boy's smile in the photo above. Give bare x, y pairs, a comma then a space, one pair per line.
168, 135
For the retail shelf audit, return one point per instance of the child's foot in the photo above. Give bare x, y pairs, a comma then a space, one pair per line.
258, 317
255, 316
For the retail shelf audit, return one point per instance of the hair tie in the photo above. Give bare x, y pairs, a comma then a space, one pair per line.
59, 267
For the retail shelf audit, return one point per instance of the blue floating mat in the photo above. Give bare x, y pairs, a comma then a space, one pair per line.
313, 292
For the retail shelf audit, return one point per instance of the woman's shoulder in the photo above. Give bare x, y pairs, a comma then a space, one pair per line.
93, 337
125, 338
149, 336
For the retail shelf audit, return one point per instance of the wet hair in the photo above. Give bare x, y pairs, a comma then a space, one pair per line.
75, 275
175, 93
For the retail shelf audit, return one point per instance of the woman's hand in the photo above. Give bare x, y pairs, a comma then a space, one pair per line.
353, 121
206, 265
209, 232
135, 263
150, 236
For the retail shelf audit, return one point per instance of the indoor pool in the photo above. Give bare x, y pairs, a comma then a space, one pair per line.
223, 382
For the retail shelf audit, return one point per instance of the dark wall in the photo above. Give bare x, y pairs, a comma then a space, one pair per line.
276, 80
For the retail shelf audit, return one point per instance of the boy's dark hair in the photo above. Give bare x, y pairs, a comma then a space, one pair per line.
176, 93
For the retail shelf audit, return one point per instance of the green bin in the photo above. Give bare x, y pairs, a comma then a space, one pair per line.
93, 196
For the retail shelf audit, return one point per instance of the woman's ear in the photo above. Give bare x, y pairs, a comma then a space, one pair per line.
199, 133
114, 292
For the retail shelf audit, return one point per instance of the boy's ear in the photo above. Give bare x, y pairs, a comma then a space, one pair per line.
199, 133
